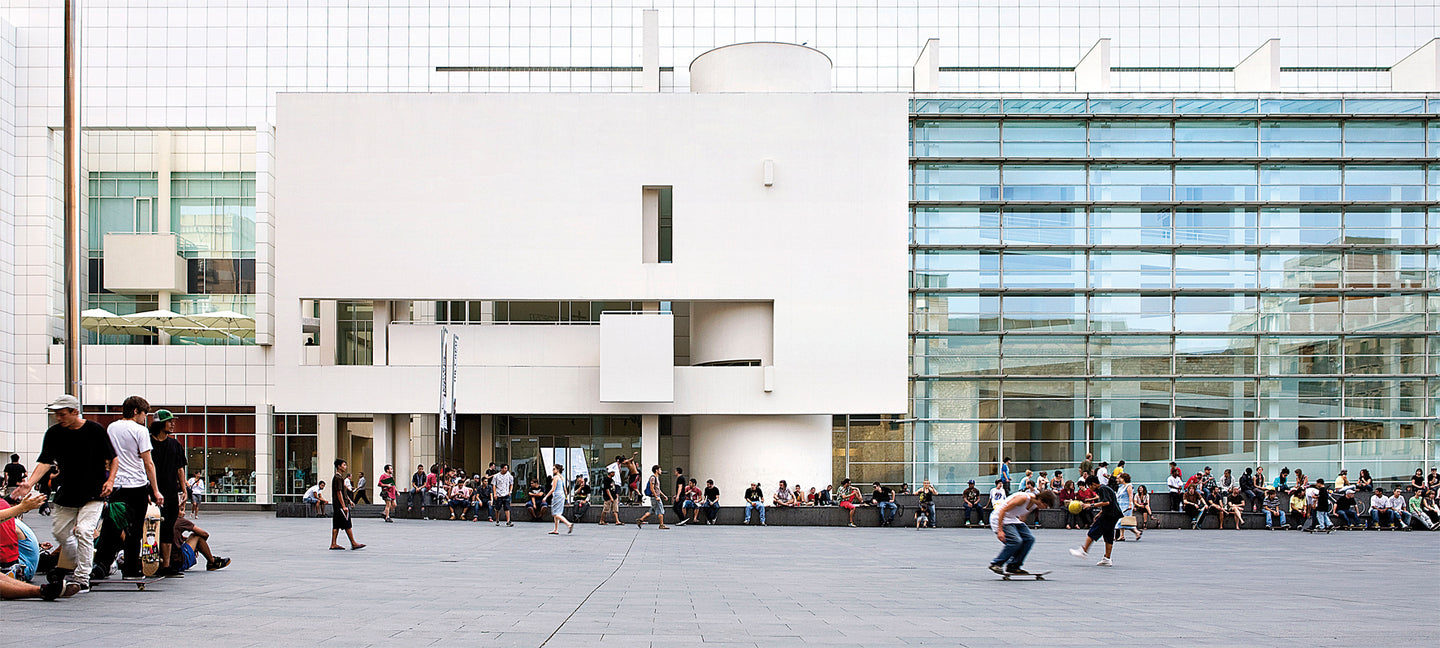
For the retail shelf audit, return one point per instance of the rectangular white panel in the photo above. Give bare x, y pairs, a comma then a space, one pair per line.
637, 358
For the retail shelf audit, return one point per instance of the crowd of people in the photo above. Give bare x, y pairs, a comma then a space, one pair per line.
111, 478
1306, 504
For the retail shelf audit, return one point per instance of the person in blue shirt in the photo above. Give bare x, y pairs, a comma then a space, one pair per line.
1005, 473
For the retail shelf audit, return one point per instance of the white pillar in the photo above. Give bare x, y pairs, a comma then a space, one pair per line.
1092, 73
650, 51
326, 446
382, 450
926, 73
380, 347
424, 446
404, 467
1260, 72
329, 331
264, 454
649, 442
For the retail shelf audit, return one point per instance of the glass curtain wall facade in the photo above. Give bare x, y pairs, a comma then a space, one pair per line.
1221, 283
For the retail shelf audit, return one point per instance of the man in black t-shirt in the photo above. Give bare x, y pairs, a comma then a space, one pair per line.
82, 449
884, 499
169, 458
610, 496
14, 473
1108, 508
680, 484
710, 503
340, 509
580, 494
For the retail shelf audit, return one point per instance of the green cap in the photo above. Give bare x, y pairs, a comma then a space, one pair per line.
163, 415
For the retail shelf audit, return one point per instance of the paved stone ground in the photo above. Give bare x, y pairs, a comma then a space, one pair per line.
422, 583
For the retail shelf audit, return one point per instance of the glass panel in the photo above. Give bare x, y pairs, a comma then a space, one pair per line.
1216, 106
1385, 227
1384, 398
1047, 312
1282, 269
1130, 139
1214, 356
1043, 138
957, 355
955, 138
956, 313
1299, 226
1398, 440
1131, 106
1384, 313
1130, 270
1130, 355
955, 225
1044, 355
1044, 399
1216, 139
1300, 182
1045, 106
1296, 106
1215, 183
1129, 312
1129, 226
1384, 355
1302, 313
1130, 399
1215, 313
1215, 442
1214, 398
956, 182
955, 269
1231, 270
1044, 226
1299, 398
1300, 139
1384, 269
1215, 226
1385, 106
955, 106
1044, 270
1299, 355
1131, 183
1047, 182
1384, 139
1384, 183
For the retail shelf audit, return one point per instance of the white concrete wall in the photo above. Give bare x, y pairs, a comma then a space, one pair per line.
761, 67
7, 237
726, 331
737, 450
550, 187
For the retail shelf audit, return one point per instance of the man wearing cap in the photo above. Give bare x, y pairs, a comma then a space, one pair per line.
82, 449
169, 458
135, 485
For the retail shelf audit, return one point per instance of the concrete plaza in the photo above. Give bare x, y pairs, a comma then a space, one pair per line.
459, 583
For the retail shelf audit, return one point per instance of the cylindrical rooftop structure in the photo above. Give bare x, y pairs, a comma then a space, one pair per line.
761, 67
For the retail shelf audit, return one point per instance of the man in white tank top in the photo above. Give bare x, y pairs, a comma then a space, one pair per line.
1008, 523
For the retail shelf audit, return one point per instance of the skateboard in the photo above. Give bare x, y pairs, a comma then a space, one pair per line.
150, 542
121, 585
1039, 576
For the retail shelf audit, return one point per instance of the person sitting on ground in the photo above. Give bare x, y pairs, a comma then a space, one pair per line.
783, 497
460, 496
689, 501
1344, 510
884, 499
316, 497
1380, 510
1273, 512
1400, 509
848, 496
755, 501
710, 502
925, 509
970, 502
536, 504
191, 539
11, 588
581, 502
1234, 507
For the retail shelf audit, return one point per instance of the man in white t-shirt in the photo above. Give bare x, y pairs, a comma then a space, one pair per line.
1008, 523
501, 485
316, 496
135, 486
998, 494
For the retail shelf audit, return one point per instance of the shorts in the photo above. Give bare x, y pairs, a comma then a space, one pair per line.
1104, 527
387, 494
611, 506
502, 503
849, 506
657, 507
199, 498
339, 521
187, 557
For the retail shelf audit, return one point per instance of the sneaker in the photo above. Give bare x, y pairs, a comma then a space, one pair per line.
72, 588
1079, 553
1017, 572
995, 567
763, 524
1104, 562
508, 524
170, 572
52, 591
217, 564
139, 576
852, 525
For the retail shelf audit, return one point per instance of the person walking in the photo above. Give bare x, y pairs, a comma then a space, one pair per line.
387, 491
135, 486
340, 518
1104, 524
501, 485
82, 448
361, 492
557, 498
1008, 523
610, 498
14, 474
657, 498
197, 493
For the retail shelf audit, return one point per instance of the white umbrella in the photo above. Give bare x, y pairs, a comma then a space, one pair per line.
201, 332
162, 319
225, 320
105, 322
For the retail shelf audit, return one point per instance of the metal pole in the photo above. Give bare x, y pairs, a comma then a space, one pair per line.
72, 198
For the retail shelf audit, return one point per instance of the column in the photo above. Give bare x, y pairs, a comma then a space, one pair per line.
649, 442
487, 439
161, 206
326, 442
404, 467
424, 431
382, 450
329, 331
381, 335
264, 454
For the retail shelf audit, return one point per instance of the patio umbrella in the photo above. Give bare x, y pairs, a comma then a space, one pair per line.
238, 323
162, 319
104, 322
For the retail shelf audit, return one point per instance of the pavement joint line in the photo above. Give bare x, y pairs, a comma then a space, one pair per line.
592, 591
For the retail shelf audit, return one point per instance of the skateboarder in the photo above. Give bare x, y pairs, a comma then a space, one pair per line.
135, 486
340, 520
1104, 524
1008, 523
